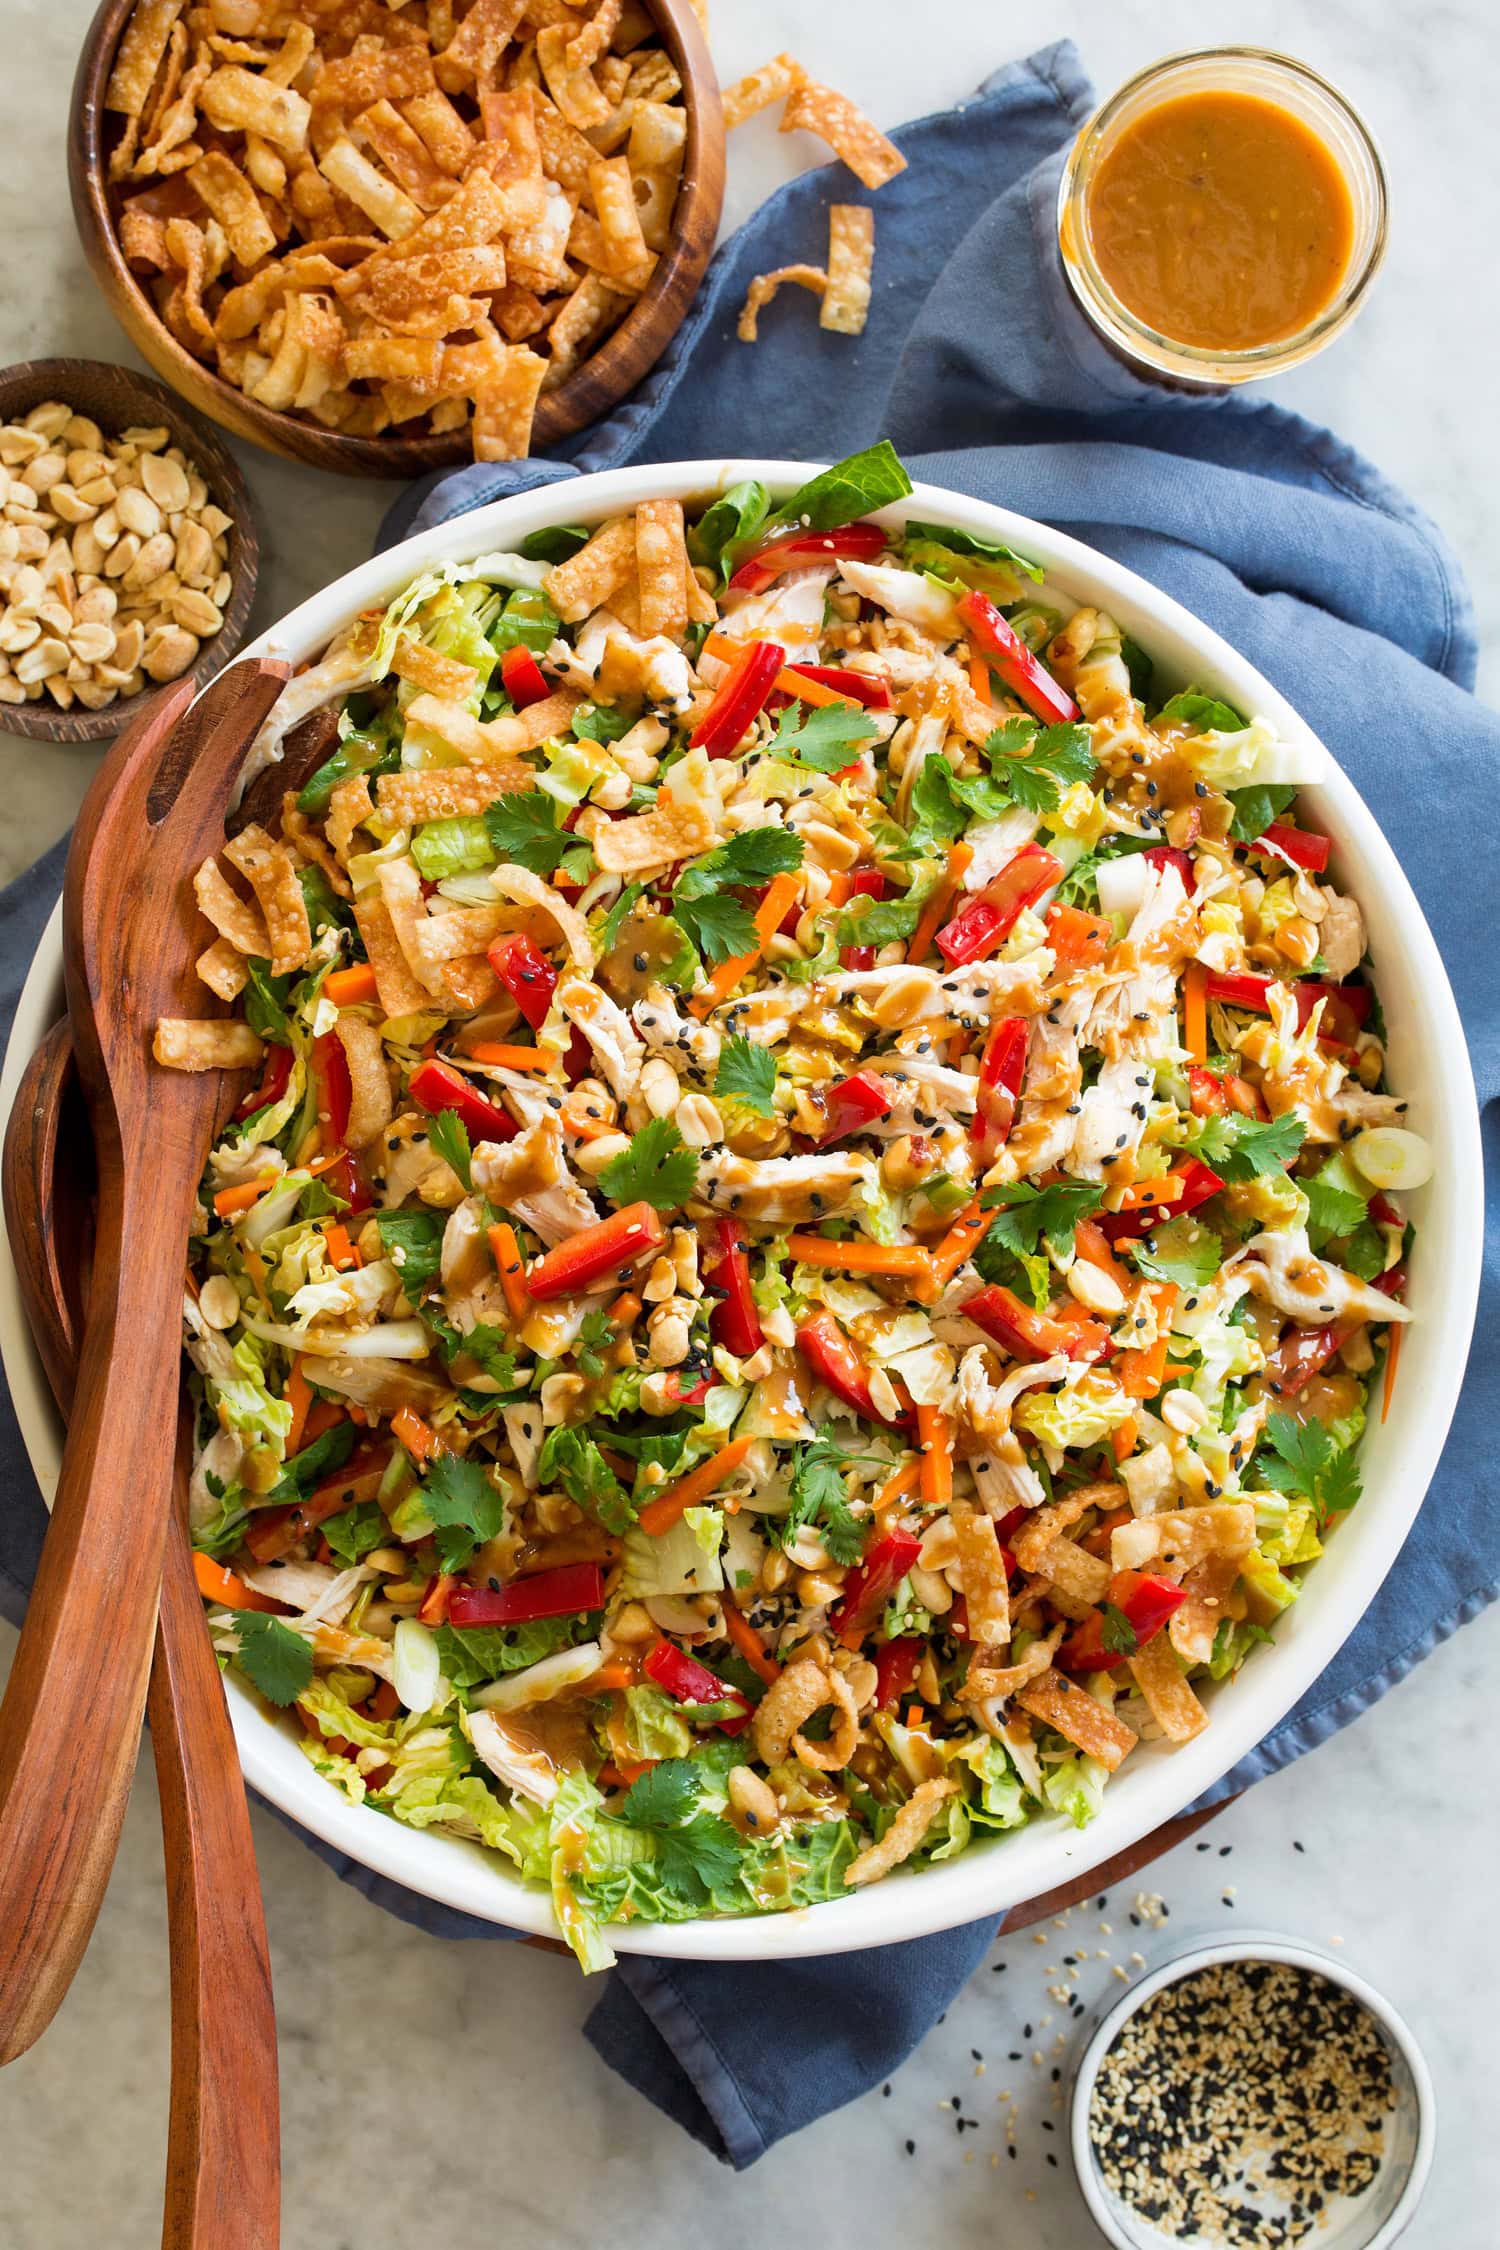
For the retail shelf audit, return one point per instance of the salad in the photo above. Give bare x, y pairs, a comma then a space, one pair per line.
816, 1214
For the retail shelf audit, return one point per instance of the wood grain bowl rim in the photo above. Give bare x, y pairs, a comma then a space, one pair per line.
116, 398
628, 353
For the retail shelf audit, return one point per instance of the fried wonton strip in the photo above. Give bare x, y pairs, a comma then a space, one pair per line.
439, 126
1194, 1624
405, 156
307, 842
487, 742
239, 101
586, 46
233, 917
505, 406
982, 1569
614, 201
849, 133
348, 807
1043, 1525
1224, 1526
470, 982
370, 1105
483, 36
588, 578
371, 73
528, 890
566, 155
764, 287
216, 1044
658, 137
225, 191
400, 993
1084, 1577
582, 317
401, 890
137, 61
662, 567
903, 1836
472, 216
675, 828
1172, 1702
987, 1679
576, 92
425, 668
271, 872
851, 257
1078, 1718
759, 88
449, 792
391, 208
223, 970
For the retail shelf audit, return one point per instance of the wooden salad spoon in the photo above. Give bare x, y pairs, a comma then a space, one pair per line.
72, 1710
223, 2184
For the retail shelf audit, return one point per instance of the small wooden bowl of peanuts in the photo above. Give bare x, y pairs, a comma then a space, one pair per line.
128, 552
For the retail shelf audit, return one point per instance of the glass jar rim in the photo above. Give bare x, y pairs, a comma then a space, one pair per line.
1127, 328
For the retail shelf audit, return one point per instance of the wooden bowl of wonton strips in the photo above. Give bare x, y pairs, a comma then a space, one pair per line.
1425, 1060
386, 243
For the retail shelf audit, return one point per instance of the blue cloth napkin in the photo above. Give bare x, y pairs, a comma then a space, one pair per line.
979, 368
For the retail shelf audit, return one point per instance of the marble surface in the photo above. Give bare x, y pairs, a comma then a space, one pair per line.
395, 2048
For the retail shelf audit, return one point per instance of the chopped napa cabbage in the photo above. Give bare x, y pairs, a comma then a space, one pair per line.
1266, 1589
1294, 1541
1256, 754
444, 848
1000, 1802
1076, 1787
949, 1834
1227, 1352
341, 1771
335, 1715
721, 1411
573, 769
573, 1814
268, 1124
926, 1371
1082, 817
246, 1403
684, 1560
364, 867
356, 1294
1080, 1415
654, 1725
470, 1807
882, 1216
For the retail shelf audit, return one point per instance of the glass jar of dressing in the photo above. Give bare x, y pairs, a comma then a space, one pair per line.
1222, 216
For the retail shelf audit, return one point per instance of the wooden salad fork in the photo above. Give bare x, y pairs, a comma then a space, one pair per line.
223, 2184
72, 1711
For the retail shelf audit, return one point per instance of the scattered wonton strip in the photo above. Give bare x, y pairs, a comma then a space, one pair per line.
851, 259
759, 88
1073, 1712
764, 287
271, 872
1173, 1704
216, 1043
903, 1836
844, 126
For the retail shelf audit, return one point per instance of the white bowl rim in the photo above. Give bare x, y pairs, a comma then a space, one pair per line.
991, 1877
1252, 1945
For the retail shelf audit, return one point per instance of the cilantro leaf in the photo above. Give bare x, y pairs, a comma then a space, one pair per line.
747, 1074
664, 1796
718, 928
356, 1531
877, 921
1364, 1253
1307, 1464
614, 920
869, 479
413, 1241
752, 856
1205, 712
450, 1137
272, 1657
597, 1331
571, 1457
1181, 1250
1255, 808
525, 831
1242, 1148
489, 1345
1334, 1205
820, 1497
596, 722
827, 737
463, 1504
1036, 763
264, 1003
658, 1168
938, 814
1118, 1634
697, 1852
1030, 1215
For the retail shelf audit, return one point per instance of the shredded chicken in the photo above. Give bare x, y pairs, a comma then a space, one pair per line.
781, 1189
530, 1177
1283, 1269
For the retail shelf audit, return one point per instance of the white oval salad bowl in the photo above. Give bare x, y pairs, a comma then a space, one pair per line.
1427, 1063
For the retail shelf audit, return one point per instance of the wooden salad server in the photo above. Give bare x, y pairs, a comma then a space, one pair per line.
72, 1712
223, 2186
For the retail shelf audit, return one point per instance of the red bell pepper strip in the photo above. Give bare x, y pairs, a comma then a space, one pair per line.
734, 1321
527, 975
1030, 1335
840, 1368
866, 882
588, 1256
436, 1086
860, 687
1304, 847
335, 1087
523, 677
740, 699
1145, 1601
870, 1586
276, 1076
345, 1179
987, 921
1003, 647
688, 1681
863, 541
897, 1664
851, 1105
1002, 1070
1212, 1096
689, 1394
1301, 1355
1346, 1010
547, 1593
1166, 855
1189, 1185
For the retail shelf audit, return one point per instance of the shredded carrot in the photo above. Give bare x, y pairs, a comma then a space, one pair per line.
216, 1584
230, 1201
346, 988
255, 1266
660, 1514
957, 1246
1143, 1373
1392, 1354
587, 1128
722, 646
419, 1438
506, 1252
805, 690
935, 1436
979, 679
384, 1703
623, 1314
781, 896
611, 1676
897, 1487
1141, 1193
299, 1392
916, 1716
907, 1258
326, 1414
1122, 1442
1093, 1247
612, 1775
505, 1057
750, 1645
934, 913
838, 887
433, 1607
1195, 1010
343, 1255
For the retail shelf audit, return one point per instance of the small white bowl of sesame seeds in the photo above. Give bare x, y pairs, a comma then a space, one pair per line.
1252, 2095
